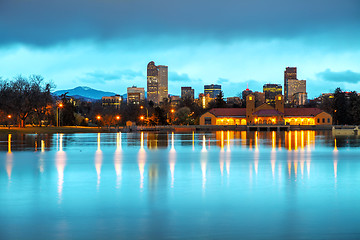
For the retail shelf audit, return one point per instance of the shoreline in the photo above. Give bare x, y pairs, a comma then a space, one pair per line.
174, 128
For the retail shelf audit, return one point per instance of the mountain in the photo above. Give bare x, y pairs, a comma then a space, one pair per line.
85, 93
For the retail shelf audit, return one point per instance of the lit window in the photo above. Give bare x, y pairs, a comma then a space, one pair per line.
250, 98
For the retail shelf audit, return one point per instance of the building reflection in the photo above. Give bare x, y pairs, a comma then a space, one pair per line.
203, 162
156, 140
98, 160
60, 162
118, 159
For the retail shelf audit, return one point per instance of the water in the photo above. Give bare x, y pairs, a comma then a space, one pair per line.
219, 185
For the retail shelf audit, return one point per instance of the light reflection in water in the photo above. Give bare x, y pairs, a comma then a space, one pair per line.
273, 153
228, 154
141, 160
60, 166
203, 168
41, 159
9, 159
335, 160
204, 144
172, 160
118, 159
98, 161
256, 154
193, 141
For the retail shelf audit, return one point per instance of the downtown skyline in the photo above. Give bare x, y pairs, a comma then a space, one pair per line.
235, 44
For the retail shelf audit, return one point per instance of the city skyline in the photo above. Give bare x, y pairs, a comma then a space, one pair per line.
224, 47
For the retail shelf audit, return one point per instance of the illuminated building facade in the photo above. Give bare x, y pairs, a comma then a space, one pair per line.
135, 95
295, 87
290, 73
213, 90
265, 114
271, 91
187, 92
204, 100
157, 82
112, 101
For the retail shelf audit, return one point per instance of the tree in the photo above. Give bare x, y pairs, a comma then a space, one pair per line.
183, 116
219, 100
339, 107
24, 96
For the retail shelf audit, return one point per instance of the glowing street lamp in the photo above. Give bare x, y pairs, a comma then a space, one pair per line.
142, 118
9, 116
98, 117
117, 117
172, 110
58, 113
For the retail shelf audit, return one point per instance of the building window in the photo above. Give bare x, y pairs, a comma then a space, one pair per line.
318, 120
323, 120
328, 120
208, 121
250, 98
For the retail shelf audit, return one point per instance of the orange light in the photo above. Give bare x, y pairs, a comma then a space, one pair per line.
141, 107
142, 117
118, 117
98, 117
172, 110
61, 105
9, 116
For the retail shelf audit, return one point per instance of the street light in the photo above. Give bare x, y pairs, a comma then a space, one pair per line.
9, 116
58, 113
147, 111
117, 117
98, 117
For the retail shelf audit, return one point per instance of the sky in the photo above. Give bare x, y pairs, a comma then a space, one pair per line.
107, 44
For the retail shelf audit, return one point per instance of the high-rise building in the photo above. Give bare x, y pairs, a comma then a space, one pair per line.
135, 95
246, 92
157, 82
295, 87
213, 90
187, 92
271, 91
289, 73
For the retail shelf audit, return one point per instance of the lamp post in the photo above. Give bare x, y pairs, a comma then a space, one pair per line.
142, 119
9, 119
58, 114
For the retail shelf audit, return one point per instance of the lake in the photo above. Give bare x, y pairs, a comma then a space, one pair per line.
213, 185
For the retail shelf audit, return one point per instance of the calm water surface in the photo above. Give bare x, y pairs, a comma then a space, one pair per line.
218, 185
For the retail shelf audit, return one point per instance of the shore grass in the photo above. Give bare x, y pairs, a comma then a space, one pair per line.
44, 130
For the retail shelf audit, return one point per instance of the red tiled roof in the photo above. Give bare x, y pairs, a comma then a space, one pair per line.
231, 112
267, 113
302, 111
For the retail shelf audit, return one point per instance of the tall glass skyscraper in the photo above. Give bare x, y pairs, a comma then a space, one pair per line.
157, 82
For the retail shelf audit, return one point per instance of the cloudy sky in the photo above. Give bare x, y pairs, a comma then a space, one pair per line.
106, 44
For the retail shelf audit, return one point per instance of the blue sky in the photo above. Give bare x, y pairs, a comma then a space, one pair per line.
107, 44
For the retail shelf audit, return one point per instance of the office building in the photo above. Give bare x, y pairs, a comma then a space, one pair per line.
157, 82
213, 90
187, 92
111, 101
271, 91
295, 87
135, 95
289, 74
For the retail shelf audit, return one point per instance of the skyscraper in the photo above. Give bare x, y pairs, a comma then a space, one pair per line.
187, 92
289, 73
213, 90
157, 82
271, 91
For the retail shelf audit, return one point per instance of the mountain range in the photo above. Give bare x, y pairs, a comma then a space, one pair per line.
85, 93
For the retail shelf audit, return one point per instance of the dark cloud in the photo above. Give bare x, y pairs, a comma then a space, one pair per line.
175, 77
44, 22
339, 77
102, 77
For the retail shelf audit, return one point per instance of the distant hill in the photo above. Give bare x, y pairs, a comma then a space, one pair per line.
85, 93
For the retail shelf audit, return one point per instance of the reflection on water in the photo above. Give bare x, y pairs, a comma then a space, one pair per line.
60, 160
98, 160
118, 159
161, 179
